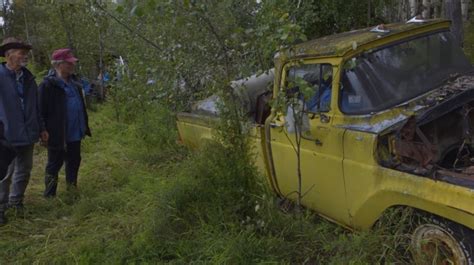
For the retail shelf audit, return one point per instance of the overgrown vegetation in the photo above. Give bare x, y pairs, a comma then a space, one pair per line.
144, 199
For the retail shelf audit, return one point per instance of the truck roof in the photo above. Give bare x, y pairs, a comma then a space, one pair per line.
340, 44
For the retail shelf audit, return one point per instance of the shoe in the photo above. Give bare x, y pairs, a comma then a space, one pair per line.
3, 218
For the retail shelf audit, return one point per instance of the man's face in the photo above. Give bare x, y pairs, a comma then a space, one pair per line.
66, 68
17, 58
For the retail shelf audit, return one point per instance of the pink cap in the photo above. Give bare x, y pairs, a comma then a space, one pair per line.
64, 55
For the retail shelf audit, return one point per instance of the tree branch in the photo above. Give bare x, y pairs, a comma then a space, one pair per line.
154, 45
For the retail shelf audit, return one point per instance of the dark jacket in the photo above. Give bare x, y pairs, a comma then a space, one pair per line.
53, 109
7, 154
21, 126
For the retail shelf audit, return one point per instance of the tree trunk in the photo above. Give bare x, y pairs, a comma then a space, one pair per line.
27, 31
70, 41
391, 12
465, 9
368, 13
400, 10
436, 4
413, 8
5, 4
452, 11
403, 10
426, 9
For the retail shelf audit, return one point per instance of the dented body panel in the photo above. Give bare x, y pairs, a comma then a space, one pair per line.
416, 153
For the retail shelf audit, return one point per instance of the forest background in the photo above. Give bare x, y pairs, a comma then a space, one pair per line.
143, 198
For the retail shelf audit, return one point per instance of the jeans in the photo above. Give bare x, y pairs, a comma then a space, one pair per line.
71, 156
18, 176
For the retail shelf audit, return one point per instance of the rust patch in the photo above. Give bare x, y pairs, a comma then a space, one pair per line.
410, 150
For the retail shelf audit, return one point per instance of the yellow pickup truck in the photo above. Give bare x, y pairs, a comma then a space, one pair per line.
390, 124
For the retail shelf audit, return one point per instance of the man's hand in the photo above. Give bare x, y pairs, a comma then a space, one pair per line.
44, 137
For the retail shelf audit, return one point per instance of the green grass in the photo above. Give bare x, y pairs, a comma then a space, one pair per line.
103, 221
143, 199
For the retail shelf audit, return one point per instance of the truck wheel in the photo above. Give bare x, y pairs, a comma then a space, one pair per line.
438, 241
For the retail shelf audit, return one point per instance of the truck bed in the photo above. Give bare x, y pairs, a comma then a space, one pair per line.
195, 130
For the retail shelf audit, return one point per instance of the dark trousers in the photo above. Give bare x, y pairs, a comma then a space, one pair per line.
13, 185
71, 156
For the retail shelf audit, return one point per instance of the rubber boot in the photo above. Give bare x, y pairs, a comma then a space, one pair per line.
51, 185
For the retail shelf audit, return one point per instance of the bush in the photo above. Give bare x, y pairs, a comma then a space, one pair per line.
218, 210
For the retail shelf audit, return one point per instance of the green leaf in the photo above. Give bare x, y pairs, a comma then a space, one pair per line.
285, 16
151, 4
119, 9
139, 12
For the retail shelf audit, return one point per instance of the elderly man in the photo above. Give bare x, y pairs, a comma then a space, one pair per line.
21, 122
64, 112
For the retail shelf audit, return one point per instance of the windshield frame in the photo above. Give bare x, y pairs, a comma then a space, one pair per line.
386, 46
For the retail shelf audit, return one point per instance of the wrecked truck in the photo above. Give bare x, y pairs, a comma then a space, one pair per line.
396, 131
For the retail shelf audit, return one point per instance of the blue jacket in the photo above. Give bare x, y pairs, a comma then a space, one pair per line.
75, 115
22, 125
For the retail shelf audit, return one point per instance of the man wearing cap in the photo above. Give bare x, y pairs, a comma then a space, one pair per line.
64, 113
21, 123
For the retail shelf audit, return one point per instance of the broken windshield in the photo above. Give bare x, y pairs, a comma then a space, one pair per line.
380, 79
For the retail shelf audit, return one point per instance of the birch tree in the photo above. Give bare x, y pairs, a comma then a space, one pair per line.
413, 8
465, 4
426, 8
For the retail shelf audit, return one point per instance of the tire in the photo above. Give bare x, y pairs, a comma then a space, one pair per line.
435, 240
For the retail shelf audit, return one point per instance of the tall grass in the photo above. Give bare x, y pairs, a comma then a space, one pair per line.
144, 199
216, 211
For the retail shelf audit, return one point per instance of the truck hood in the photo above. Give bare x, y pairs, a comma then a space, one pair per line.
453, 93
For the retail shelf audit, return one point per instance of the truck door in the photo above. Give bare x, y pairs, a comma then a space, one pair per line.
321, 145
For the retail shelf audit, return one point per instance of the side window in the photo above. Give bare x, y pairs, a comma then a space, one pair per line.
351, 90
313, 85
